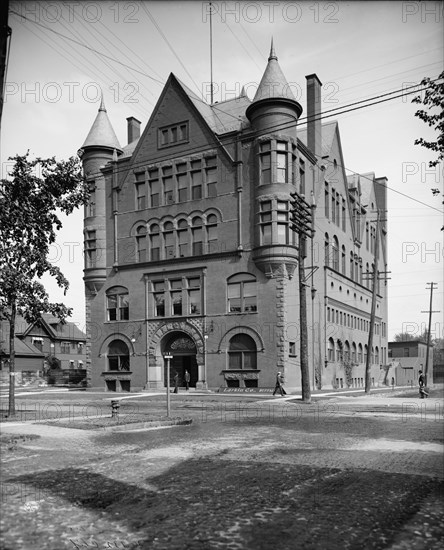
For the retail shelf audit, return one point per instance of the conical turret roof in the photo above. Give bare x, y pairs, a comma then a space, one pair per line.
102, 133
273, 84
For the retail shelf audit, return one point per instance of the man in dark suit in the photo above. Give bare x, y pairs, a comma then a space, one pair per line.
279, 387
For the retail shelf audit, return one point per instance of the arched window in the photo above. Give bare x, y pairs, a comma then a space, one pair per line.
141, 243
339, 350
352, 271
154, 242
331, 349
241, 292
117, 304
242, 352
211, 227
168, 240
346, 351
197, 236
365, 353
360, 357
343, 259
326, 250
373, 356
118, 356
335, 253
376, 355
353, 352
182, 237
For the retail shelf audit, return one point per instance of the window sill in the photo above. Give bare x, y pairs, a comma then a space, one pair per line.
242, 312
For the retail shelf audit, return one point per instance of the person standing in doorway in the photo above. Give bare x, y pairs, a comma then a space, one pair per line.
176, 383
187, 380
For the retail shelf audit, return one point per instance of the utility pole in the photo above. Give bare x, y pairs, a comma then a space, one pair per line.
5, 46
301, 218
430, 311
373, 310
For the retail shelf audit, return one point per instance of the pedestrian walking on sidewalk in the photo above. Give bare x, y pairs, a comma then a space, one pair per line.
187, 380
279, 385
422, 387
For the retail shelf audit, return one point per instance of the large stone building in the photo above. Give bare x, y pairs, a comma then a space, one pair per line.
189, 248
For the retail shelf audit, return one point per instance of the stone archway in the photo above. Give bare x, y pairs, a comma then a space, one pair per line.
183, 350
161, 339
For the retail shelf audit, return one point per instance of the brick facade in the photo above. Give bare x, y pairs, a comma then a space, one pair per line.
194, 251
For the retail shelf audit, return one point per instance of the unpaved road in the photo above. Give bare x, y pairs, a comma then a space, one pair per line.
240, 478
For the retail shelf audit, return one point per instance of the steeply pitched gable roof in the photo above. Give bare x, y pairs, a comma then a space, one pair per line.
21, 348
52, 326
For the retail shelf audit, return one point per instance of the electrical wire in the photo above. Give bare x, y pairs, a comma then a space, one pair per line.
333, 112
154, 22
202, 149
87, 47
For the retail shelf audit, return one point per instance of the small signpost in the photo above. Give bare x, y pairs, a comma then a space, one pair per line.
168, 356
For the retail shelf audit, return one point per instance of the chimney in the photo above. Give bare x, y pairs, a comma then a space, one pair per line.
133, 129
314, 127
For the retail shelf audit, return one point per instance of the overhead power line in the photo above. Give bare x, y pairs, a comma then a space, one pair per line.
87, 47
357, 105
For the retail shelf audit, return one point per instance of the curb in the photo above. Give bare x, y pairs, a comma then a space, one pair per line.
147, 424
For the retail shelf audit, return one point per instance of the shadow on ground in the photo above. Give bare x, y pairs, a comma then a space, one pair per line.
212, 503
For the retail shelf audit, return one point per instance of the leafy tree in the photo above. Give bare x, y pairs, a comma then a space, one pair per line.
404, 337
31, 201
433, 99
409, 337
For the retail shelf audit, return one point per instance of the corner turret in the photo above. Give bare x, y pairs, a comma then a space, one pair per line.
100, 147
274, 113
274, 105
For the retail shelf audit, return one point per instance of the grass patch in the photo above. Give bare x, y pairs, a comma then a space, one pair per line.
108, 422
9, 442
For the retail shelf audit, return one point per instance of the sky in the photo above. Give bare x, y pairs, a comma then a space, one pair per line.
358, 50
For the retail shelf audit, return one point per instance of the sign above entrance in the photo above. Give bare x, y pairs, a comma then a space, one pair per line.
181, 345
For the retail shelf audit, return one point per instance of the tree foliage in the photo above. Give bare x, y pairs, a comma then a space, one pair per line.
411, 337
433, 99
31, 202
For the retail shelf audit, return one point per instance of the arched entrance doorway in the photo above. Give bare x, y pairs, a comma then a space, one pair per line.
183, 349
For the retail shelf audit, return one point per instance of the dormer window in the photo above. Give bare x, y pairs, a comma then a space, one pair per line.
172, 135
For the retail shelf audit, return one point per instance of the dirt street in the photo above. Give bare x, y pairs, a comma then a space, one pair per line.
244, 475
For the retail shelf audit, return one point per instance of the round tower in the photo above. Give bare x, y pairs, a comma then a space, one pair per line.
273, 114
97, 150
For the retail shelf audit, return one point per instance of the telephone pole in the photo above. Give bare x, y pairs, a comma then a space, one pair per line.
301, 218
430, 311
373, 310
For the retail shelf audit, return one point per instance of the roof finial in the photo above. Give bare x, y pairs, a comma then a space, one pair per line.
102, 104
272, 52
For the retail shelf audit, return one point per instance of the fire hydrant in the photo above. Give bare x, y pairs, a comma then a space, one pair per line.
115, 406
